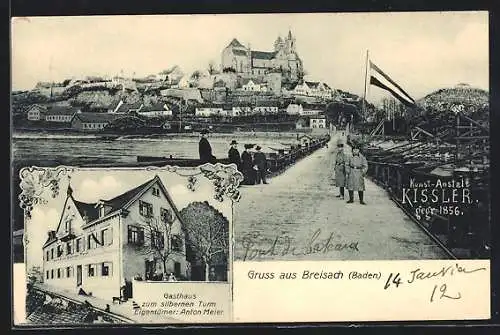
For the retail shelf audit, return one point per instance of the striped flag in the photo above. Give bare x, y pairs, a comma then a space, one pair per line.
382, 80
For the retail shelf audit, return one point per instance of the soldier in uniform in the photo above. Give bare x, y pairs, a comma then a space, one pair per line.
247, 166
340, 169
356, 168
205, 149
260, 161
234, 155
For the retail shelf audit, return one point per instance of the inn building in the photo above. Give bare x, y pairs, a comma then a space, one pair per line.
101, 247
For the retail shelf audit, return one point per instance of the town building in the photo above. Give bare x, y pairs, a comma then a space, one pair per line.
312, 89
92, 121
265, 110
318, 121
309, 112
155, 110
61, 114
294, 109
206, 111
253, 85
36, 112
101, 247
241, 110
244, 60
301, 123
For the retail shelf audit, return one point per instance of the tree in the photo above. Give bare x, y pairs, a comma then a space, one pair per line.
196, 75
207, 234
211, 68
158, 238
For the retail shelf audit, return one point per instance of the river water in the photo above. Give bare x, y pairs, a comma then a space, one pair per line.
90, 149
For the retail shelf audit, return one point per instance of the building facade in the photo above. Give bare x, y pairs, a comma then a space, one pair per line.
244, 60
317, 122
36, 113
92, 121
100, 247
60, 114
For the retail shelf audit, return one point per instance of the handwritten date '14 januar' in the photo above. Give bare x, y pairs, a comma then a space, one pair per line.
395, 280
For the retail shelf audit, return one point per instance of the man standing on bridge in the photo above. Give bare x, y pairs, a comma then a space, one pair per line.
259, 159
356, 168
234, 155
340, 169
205, 149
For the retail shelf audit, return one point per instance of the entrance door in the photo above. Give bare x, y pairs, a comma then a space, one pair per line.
78, 275
150, 267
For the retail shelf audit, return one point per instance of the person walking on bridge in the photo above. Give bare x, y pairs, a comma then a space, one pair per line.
340, 169
356, 168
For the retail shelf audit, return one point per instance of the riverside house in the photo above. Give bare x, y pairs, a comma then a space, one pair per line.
101, 247
36, 112
61, 114
92, 121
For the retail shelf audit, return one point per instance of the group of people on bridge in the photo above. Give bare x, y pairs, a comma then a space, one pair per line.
350, 172
252, 162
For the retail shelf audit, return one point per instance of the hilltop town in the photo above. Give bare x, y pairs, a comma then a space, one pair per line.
249, 90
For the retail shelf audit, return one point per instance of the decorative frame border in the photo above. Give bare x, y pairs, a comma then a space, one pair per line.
35, 180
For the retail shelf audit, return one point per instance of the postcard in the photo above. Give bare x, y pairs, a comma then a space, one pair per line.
256, 168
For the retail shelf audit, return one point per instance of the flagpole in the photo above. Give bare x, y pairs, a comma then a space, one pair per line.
364, 93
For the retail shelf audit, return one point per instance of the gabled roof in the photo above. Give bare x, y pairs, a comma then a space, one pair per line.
154, 107
61, 110
245, 81
263, 54
235, 43
43, 107
96, 117
121, 200
86, 209
239, 52
312, 84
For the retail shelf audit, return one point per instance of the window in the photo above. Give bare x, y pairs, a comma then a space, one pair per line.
48, 255
58, 273
176, 243
69, 272
52, 253
52, 274
166, 215
91, 270
106, 236
92, 241
47, 274
69, 248
106, 269
156, 192
145, 209
78, 244
135, 235
157, 239
59, 250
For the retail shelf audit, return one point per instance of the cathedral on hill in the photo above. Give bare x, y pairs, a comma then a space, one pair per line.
283, 59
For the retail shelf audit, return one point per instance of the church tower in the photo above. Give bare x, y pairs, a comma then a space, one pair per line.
278, 44
290, 43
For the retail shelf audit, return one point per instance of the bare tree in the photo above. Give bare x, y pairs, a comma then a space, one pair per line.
212, 68
207, 232
158, 238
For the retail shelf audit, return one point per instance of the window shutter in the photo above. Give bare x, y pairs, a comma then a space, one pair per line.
129, 235
110, 235
141, 236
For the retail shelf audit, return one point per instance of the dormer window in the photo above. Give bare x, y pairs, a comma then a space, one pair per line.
101, 210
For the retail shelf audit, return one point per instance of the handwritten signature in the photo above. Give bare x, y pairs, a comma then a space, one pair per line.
283, 245
450, 270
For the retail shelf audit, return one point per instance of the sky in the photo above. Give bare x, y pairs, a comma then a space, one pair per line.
91, 185
421, 51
